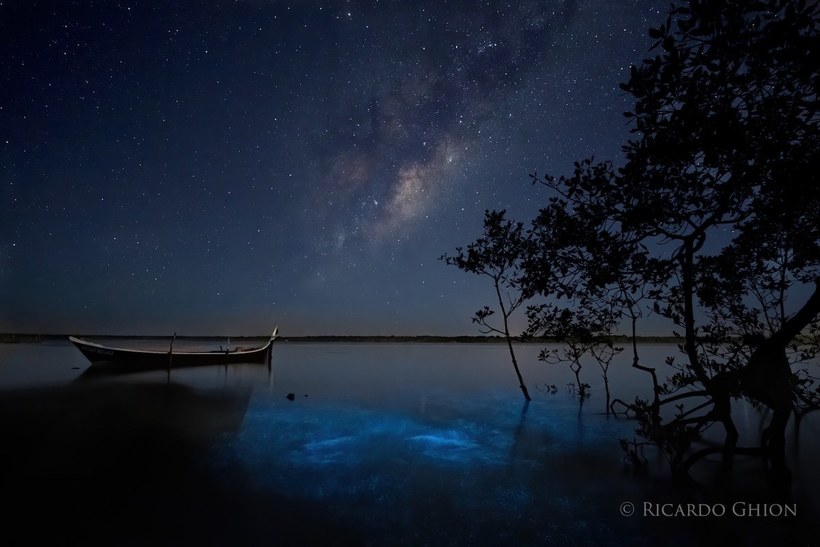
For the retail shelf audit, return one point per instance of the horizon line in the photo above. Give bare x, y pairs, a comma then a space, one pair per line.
13, 337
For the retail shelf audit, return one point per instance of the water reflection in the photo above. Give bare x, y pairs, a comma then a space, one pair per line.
427, 444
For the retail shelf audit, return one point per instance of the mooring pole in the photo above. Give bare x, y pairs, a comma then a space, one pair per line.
270, 356
171, 356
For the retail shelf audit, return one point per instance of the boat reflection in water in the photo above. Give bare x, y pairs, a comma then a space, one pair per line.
108, 460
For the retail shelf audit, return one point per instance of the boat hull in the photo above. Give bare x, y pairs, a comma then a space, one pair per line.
128, 360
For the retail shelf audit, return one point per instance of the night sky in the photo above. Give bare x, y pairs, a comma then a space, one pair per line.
210, 167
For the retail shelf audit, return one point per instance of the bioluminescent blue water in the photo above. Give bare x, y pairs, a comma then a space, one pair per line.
441, 472
433, 444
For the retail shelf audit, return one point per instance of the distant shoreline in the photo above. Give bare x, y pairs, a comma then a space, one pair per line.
11, 338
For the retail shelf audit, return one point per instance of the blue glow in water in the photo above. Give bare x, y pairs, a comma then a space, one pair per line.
340, 450
482, 464
433, 445
449, 464
348, 436
452, 445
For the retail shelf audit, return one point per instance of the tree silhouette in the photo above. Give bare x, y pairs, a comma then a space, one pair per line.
497, 255
712, 221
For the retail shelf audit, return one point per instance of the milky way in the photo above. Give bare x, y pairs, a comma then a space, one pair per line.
447, 70
219, 167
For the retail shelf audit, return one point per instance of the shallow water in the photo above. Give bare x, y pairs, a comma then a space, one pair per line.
421, 444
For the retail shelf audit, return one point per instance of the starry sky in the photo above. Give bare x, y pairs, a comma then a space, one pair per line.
221, 167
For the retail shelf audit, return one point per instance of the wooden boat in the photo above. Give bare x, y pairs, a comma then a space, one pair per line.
134, 360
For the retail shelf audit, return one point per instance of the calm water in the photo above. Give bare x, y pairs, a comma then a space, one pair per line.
400, 444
